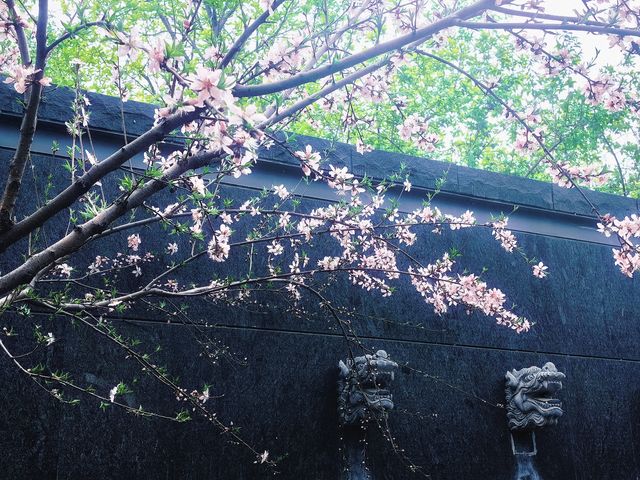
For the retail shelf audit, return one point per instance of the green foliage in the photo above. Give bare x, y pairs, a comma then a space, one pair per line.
183, 416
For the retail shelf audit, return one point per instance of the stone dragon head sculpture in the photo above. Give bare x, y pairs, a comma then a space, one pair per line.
363, 387
530, 395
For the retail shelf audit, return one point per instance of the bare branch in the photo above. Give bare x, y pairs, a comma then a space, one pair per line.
237, 45
82, 185
21, 38
618, 165
305, 102
550, 26
82, 233
546, 16
74, 32
353, 60
28, 126
41, 35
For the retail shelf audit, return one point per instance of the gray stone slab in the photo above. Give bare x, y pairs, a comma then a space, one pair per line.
505, 188
571, 201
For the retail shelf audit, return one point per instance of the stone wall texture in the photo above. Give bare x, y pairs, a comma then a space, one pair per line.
450, 385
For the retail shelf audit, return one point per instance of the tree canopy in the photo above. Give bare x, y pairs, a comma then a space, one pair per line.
540, 73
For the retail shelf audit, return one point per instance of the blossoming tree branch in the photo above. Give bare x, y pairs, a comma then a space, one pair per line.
227, 77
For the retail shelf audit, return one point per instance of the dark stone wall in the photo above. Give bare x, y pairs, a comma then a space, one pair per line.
449, 390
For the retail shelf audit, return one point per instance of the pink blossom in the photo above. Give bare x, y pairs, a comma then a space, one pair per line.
112, 394
362, 148
329, 263
539, 270
21, 75
64, 269
284, 220
564, 175
249, 115
275, 248
266, 5
197, 185
130, 45
134, 241
339, 178
506, 238
281, 191
91, 158
196, 216
208, 85
212, 53
156, 56
219, 248
310, 160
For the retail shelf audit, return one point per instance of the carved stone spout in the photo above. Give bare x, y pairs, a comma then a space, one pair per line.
363, 394
363, 387
531, 397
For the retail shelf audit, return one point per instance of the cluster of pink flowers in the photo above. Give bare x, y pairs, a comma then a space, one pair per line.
329, 263
22, 76
362, 148
562, 174
281, 191
556, 63
404, 17
527, 141
540, 270
528, 138
340, 178
235, 138
370, 230
197, 185
603, 91
219, 247
245, 149
156, 55
373, 87
627, 257
64, 269
275, 248
211, 87
131, 262
465, 220
309, 159
134, 241
416, 129
284, 58
130, 45
135, 261
372, 261
506, 237
443, 291
600, 90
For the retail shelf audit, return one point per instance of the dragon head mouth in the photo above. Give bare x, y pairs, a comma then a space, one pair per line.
532, 396
541, 398
364, 387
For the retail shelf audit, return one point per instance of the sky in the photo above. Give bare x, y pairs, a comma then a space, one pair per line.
589, 42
